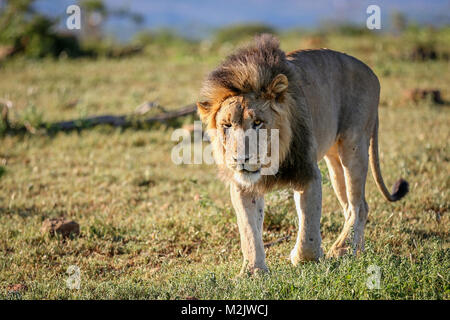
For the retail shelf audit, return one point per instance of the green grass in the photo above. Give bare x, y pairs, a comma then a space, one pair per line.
151, 229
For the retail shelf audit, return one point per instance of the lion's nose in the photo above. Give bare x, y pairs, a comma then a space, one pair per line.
241, 158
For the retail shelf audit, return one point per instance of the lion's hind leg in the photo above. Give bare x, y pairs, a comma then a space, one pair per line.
354, 158
337, 177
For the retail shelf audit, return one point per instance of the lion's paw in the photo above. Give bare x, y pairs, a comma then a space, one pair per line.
251, 272
305, 256
336, 252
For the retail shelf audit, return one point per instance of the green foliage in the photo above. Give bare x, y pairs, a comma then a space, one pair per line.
94, 6
24, 31
28, 32
419, 35
40, 41
237, 33
32, 116
161, 37
345, 29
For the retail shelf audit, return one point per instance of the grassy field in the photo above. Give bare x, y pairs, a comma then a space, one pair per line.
154, 230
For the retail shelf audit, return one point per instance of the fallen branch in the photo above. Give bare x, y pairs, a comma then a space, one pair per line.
122, 120
146, 107
134, 119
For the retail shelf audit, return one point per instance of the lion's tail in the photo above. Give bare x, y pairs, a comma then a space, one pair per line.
401, 187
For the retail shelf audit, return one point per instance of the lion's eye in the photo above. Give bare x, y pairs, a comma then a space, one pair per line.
226, 126
257, 123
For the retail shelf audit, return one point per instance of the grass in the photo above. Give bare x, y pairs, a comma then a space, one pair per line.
154, 230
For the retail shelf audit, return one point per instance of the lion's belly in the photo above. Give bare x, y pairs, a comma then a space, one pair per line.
325, 115
325, 137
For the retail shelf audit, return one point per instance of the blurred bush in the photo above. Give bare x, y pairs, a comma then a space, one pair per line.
345, 29
22, 30
162, 37
241, 32
427, 43
34, 35
26, 32
164, 42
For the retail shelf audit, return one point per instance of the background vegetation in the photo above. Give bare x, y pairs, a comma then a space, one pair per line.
154, 230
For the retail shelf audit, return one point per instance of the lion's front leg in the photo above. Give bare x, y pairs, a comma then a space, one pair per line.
250, 216
308, 203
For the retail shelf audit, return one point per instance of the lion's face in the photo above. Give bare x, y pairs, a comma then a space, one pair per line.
243, 130
250, 132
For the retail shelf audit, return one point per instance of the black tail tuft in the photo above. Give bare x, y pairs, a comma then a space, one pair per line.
400, 189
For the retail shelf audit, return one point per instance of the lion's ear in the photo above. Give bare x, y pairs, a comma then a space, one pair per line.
204, 108
207, 112
278, 86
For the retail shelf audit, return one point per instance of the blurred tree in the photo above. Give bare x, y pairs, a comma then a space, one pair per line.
398, 22
93, 14
24, 30
96, 13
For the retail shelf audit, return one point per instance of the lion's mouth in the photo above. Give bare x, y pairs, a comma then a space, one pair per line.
247, 177
250, 171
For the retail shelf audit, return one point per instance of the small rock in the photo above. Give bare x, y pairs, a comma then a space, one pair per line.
62, 226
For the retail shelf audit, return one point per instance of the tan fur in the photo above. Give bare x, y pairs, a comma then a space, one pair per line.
324, 104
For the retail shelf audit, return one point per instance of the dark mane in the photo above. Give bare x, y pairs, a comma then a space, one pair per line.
250, 69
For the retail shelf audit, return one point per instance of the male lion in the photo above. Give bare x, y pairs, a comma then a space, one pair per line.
325, 105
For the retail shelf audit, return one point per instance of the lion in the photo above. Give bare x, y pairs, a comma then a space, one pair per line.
324, 104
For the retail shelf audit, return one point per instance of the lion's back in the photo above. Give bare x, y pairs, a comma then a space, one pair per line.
341, 91
334, 68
